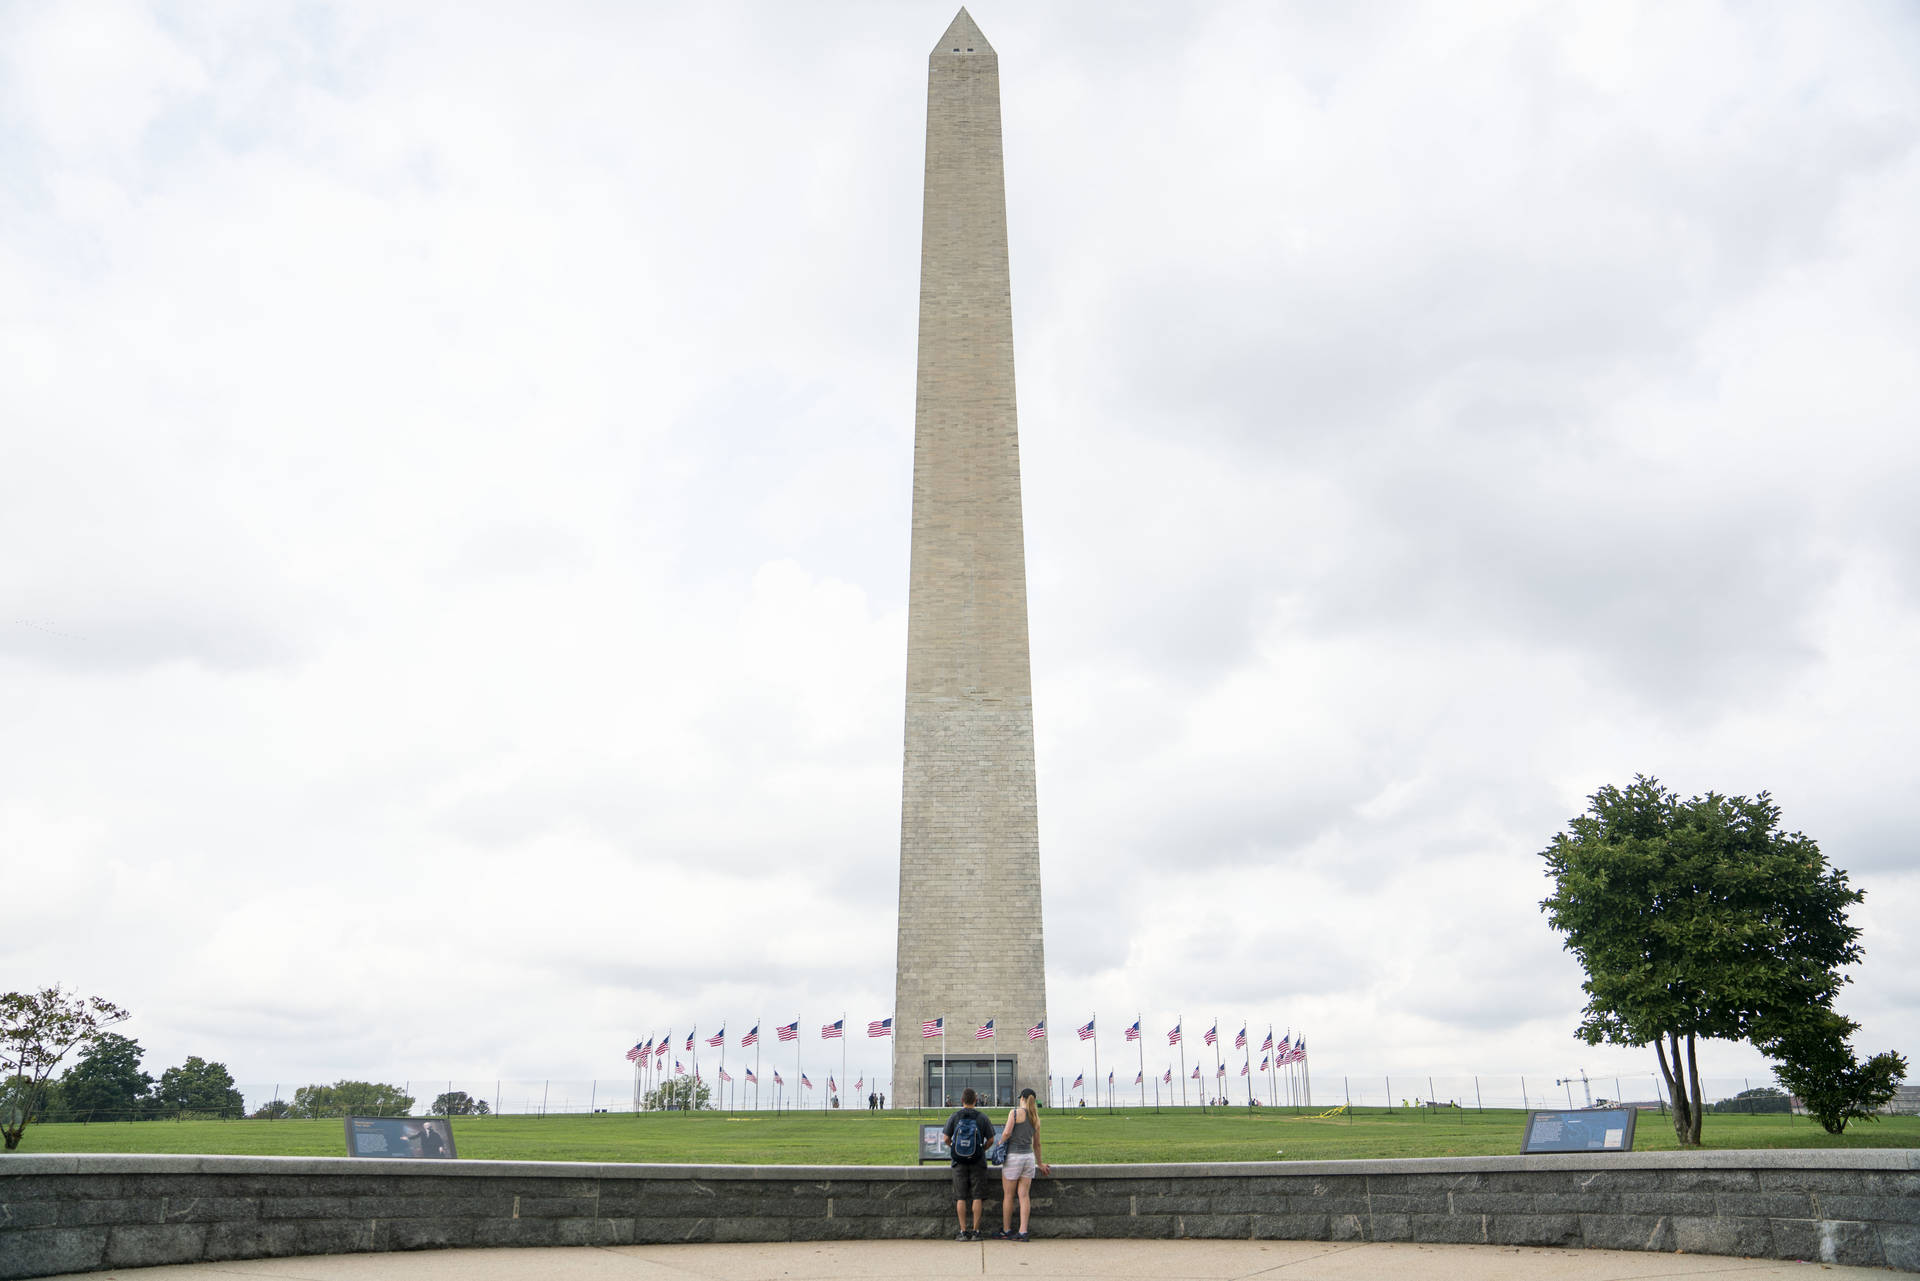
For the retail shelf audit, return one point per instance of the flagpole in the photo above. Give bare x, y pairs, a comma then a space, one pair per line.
1216, 1052
843, 1051
1095, 1024
1180, 1026
994, 1049
944, 1092
1248, 1047
723, 1062
757, 1025
1141, 1041
798, 1076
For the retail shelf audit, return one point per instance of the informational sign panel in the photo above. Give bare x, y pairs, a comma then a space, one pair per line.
1591, 1130
933, 1142
401, 1136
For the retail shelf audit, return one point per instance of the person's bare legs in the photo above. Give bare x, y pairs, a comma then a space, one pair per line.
1026, 1207
977, 1207
960, 1213
1007, 1193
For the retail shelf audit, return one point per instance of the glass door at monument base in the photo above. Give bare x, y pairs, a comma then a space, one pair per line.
990, 1079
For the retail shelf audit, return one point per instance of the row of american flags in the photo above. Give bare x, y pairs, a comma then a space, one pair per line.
828, 1032
1289, 1050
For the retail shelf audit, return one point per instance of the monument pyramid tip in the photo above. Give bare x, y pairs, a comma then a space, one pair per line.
964, 34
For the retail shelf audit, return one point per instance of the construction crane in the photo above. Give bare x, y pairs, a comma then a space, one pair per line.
1586, 1086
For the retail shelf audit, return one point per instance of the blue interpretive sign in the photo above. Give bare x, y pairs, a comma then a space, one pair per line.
1588, 1130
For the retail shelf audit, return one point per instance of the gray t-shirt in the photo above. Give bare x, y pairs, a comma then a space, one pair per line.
1019, 1136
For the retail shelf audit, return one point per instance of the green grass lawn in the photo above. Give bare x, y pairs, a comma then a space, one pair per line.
1075, 1136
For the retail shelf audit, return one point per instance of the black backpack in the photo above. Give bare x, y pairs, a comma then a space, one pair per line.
966, 1139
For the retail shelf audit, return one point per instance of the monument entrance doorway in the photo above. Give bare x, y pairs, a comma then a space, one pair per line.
990, 1079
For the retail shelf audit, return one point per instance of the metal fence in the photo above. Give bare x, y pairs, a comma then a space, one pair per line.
1291, 1091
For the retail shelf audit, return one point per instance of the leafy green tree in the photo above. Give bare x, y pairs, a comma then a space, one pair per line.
351, 1098
37, 1030
273, 1110
106, 1082
458, 1103
1695, 918
200, 1086
1763, 1099
676, 1092
1815, 1061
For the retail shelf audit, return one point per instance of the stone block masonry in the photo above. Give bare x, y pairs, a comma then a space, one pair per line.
970, 943
81, 1213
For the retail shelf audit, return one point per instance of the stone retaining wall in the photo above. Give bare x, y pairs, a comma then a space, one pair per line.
75, 1213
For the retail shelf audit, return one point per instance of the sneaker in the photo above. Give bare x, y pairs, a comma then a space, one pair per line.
1021, 1237
962, 1235
1003, 1235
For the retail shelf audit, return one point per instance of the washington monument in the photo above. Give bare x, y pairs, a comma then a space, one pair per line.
970, 945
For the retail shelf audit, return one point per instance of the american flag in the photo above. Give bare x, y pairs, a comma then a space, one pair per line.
679, 1069
1299, 1050
1079, 1082
1139, 1078
832, 1031
1109, 1078
724, 1076
751, 1078
859, 1082
1168, 1078
751, 1038
689, 1043
1243, 1069
831, 1087
1263, 1062
633, 1055
718, 1038
776, 1077
1173, 1037
1038, 1032
1240, 1042
1213, 1034
880, 1027
788, 1031
1221, 1071
1133, 1033
1196, 1071
804, 1081
984, 1032
661, 1053
1268, 1043
1086, 1033
933, 1028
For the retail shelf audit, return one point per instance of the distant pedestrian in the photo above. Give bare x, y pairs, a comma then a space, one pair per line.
873, 1101
967, 1135
883, 1101
1022, 1136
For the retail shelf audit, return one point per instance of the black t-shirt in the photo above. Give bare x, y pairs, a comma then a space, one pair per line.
986, 1135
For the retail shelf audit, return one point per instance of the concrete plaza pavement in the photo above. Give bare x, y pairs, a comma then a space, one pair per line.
1039, 1260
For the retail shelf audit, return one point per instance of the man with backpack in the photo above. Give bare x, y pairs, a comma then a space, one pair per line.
969, 1134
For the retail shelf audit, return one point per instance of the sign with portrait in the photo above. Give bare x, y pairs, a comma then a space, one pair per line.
401, 1136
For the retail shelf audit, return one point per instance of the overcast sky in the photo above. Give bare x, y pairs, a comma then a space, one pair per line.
455, 475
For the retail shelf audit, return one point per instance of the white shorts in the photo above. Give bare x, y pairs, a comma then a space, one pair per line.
1020, 1165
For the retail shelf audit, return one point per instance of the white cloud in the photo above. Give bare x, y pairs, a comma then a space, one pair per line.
459, 476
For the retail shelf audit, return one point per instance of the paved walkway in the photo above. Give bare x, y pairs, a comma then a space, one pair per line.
1037, 1261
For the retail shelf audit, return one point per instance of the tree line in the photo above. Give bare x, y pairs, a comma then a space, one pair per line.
106, 1082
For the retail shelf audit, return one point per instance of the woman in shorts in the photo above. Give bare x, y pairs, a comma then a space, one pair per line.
1022, 1137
